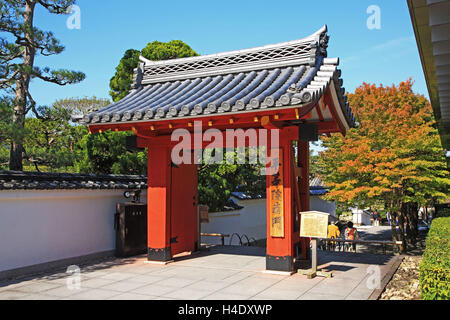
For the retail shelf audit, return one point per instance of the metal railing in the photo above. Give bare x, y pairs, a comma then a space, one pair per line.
223, 236
331, 243
240, 237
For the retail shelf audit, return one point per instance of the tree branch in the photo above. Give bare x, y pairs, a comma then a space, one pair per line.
60, 77
33, 107
53, 8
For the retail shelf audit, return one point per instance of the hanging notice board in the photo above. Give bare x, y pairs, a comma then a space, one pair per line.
314, 224
276, 204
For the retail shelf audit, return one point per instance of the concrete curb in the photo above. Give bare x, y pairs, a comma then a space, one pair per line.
387, 277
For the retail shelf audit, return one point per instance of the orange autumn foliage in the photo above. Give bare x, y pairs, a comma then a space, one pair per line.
395, 155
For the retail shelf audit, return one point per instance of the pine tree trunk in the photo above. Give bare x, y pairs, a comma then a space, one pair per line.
16, 151
21, 94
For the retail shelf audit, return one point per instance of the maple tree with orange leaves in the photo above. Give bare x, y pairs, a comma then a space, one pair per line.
394, 156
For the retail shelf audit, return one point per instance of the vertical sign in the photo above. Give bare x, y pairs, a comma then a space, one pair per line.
276, 199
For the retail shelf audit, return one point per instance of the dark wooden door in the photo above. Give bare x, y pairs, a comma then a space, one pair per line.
183, 208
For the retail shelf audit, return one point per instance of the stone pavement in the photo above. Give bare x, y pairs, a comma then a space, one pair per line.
219, 273
375, 232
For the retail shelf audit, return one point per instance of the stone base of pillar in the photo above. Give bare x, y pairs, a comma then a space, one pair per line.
162, 254
277, 263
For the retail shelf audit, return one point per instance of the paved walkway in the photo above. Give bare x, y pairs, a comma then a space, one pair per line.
375, 233
220, 273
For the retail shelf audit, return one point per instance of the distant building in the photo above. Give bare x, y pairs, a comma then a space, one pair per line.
361, 217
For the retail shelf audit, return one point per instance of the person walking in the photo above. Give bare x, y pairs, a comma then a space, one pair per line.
351, 234
376, 218
389, 217
333, 233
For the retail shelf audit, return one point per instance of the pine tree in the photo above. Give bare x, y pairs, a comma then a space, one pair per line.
18, 48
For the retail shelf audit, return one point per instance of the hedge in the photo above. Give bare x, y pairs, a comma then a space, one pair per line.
434, 270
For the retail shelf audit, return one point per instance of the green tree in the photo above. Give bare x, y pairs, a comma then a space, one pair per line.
394, 157
173, 49
121, 82
216, 182
49, 142
52, 142
20, 43
106, 153
77, 107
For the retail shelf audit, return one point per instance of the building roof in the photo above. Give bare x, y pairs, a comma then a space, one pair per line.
22, 180
316, 183
16, 180
282, 75
431, 23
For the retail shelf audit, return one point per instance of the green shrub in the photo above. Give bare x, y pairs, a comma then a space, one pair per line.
435, 267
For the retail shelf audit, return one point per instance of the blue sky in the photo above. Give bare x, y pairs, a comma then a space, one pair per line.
108, 28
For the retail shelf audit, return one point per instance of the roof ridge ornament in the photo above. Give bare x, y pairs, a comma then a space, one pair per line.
138, 76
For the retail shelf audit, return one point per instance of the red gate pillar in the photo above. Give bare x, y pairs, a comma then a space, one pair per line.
158, 203
280, 228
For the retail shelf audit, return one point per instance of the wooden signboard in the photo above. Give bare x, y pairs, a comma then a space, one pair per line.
314, 224
276, 200
203, 213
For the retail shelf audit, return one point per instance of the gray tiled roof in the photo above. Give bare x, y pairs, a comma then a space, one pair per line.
14, 180
285, 74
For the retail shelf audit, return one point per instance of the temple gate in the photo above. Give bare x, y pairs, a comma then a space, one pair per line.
289, 87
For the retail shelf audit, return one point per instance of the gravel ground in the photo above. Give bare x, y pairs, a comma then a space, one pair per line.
404, 285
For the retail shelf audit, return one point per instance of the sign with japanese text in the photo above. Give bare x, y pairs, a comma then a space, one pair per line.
276, 200
314, 224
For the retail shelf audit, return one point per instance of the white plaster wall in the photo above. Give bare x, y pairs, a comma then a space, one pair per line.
38, 226
251, 221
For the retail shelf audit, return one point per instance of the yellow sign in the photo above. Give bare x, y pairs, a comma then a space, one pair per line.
276, 199
313, 224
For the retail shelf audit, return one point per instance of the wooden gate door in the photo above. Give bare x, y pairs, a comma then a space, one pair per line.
183, 208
